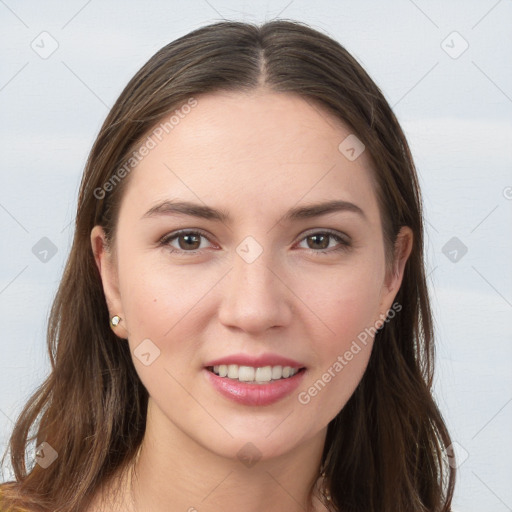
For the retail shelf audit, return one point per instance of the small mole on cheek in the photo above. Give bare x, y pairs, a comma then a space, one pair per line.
154, 300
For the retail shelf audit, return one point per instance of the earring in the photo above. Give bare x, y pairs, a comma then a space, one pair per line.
114, 321
325, 491
325, 488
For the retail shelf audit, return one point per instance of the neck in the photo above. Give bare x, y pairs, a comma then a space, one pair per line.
173, 472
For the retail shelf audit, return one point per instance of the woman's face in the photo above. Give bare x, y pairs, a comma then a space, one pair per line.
258, 272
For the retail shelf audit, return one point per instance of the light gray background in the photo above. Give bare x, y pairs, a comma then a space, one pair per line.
454, 106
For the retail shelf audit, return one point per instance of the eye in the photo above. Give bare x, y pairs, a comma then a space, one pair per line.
187, 241
322, 240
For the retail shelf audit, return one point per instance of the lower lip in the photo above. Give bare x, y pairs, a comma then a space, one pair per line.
255, 394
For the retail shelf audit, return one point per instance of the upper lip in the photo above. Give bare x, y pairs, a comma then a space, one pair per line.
256, 362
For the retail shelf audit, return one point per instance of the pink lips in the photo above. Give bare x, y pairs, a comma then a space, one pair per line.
254, 394
247, 393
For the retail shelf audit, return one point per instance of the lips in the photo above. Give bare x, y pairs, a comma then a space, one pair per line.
255, 393
252, 394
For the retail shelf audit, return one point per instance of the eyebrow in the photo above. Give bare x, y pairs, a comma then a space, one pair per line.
206, 212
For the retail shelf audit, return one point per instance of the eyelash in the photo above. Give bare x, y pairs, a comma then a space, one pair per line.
165, 241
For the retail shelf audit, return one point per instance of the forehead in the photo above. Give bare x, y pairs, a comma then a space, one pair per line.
258, 151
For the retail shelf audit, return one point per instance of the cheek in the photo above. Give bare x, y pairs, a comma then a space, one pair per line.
160, 307
347, 303
167, 304
349, 308
351, 318
156, 297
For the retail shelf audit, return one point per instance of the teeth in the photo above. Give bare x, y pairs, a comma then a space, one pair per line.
233, 371
263, 374
277, 372
259, 375
245, 373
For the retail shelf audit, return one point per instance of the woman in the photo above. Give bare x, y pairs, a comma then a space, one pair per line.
243, 321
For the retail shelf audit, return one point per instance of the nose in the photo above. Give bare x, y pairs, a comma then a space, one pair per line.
255, 296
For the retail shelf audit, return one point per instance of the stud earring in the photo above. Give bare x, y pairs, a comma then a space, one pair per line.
114, 321
325, 488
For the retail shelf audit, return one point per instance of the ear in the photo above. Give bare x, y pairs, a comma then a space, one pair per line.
394, 276
107, 267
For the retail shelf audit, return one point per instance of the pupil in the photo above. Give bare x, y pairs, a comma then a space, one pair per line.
188, 237
325, 240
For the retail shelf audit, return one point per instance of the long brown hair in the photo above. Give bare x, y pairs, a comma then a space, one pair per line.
386, 449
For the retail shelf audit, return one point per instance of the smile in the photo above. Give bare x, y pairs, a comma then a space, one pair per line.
253, 392
256, 375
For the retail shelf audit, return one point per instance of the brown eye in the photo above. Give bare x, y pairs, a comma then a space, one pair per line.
183, 241
320, 241
190, 241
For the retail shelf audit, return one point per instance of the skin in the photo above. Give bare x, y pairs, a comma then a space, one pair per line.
254, 156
